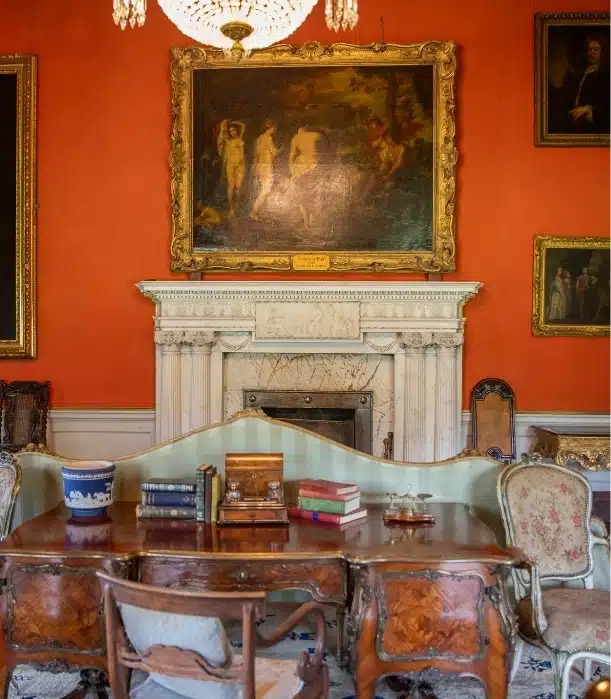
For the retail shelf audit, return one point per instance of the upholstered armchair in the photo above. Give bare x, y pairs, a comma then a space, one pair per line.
176, 637
546, 512
10, 482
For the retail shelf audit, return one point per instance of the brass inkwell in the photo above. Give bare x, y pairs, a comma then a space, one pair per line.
408, 509
254, 491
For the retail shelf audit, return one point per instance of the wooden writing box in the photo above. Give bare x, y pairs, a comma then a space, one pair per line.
253, 473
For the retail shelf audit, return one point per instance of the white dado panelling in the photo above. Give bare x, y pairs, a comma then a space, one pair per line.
95, 434
98, 434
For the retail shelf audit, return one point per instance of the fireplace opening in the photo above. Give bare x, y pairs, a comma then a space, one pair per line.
344, 416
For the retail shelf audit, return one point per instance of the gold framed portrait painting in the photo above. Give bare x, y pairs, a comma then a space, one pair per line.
571, 286
572, 79
17, 206
332, 158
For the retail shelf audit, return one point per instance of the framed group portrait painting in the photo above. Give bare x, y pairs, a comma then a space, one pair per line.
332, 158
18, 206
572, 79
571, 286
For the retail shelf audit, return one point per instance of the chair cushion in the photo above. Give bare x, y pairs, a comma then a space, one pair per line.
275, 679
576, 619
205, 635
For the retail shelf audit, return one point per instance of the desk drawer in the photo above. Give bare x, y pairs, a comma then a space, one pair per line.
324, 579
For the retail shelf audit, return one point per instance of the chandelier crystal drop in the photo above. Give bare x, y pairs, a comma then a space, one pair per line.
341, 14
129, 12
237, 26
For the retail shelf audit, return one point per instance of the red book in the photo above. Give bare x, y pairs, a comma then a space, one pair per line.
326, 488
309, 493
326, 516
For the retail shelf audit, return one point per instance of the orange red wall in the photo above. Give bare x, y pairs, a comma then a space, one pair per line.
104, 219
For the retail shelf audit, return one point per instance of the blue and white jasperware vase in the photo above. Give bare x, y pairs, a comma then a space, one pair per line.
88, 487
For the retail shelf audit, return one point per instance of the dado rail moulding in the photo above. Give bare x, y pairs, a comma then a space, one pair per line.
416, 326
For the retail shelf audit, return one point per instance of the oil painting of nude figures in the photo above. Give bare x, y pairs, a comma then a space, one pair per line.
309, 158
571, 286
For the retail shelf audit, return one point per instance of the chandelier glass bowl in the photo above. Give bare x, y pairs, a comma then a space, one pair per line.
250, 24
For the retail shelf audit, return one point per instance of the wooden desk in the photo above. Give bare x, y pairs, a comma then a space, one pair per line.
417, 598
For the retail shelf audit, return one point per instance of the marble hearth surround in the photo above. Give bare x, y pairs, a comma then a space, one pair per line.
403, 340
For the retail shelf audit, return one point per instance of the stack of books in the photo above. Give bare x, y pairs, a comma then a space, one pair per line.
328, 501
182, 498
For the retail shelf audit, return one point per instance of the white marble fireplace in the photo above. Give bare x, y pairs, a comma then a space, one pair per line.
400, 340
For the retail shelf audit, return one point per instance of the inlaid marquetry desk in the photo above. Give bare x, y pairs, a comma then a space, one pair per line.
416, 598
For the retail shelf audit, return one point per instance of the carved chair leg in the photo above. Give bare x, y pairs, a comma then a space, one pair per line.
561, 664
517, 658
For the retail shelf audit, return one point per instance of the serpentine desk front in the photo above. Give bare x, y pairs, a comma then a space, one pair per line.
417, 598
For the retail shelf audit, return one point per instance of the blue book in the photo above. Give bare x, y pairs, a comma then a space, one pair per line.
168, 499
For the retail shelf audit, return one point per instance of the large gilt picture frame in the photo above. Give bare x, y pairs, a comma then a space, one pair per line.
18, 206
331, 158
571, 286
572, 79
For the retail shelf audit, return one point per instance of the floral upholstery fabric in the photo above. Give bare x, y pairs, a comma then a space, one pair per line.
548, 518
576, 619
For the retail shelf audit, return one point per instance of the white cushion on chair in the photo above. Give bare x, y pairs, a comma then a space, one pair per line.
205, 635
275, 679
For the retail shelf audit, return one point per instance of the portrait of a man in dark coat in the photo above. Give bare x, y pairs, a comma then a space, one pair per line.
590, 113
576, 79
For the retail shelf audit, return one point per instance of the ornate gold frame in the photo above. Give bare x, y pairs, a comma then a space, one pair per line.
543, 243
24, 344
441, 55
542, 21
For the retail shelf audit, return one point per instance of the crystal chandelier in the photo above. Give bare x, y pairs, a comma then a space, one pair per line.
132, 12
341, 14
237, 26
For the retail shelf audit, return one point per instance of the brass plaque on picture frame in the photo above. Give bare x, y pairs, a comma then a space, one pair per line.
332, 158
571, 286
17, 206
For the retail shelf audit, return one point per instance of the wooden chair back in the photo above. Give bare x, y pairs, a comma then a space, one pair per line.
493, 419
176, 662
10, 483
23, 414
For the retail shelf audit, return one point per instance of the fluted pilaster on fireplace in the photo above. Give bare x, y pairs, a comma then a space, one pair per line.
183, 391
202, 328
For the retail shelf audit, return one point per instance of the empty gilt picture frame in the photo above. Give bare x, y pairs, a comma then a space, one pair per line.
332, 158
17, 206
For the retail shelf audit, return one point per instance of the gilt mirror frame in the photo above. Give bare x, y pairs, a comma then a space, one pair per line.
441, 257
18, 214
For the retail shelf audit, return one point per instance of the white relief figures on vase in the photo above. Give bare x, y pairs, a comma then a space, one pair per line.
78, 501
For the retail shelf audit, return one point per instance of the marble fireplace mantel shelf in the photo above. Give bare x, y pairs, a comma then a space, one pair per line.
198, 325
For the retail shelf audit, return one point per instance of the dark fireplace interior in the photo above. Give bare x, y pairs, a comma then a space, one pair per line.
344, 416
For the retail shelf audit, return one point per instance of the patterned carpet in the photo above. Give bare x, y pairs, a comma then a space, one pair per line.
533, 681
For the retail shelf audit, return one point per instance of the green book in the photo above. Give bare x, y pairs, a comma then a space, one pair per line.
337, 507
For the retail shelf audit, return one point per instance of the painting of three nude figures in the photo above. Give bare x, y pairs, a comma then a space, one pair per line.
313, 158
